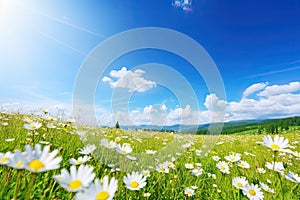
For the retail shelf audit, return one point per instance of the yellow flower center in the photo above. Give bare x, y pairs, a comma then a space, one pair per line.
134, 184
75, 184
162, 169
123, 151
3, 160
78, 162
252, 192
223, 168
275, 146
103, 195
36, 165
242, 164
19, 164
239, 185
32, 127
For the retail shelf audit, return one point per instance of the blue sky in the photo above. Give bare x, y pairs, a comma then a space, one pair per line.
254, 44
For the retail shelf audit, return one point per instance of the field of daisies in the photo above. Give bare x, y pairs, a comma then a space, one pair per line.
42, 157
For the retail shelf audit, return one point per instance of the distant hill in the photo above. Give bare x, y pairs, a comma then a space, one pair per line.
266, 125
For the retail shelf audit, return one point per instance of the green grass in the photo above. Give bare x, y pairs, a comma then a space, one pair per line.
167, 145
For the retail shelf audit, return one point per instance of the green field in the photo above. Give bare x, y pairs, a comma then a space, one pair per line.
182, 151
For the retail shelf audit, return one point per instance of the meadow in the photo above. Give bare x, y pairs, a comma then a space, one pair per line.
42, 157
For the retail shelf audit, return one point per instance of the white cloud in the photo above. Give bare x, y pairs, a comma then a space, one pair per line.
132, 80
254, 88
280, 89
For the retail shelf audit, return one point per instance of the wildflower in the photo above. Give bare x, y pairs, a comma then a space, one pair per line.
261, 170
243, 164
239, 182
124, 149
108, 144
194, 187
32, 126
131, 157
9, 139
146, 173
40, 160
104, 189
134, 181
277, 166
189, 166
189, 192
17, 160
88, 149
234, 157
197, 172
79, 160
147, 194
169, 164
293, 177
253, 192
151, 152
266, 188
216, 158
223, 166
163, 168
278, 144
76, 179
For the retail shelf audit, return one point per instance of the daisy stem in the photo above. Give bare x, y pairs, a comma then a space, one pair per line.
281, 187
30, 186
18, 183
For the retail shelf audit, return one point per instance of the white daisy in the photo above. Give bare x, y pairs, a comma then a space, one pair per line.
223, 166
293, 177
189, 166
4, 157
197, 172
88, 149
135, 181
253, 192
146, 173
261, 170
189, 192
79, 161
108, 144
169, 164
266, 188
239, 182
277, 166
40, 160
216, 158
151, 152
162, 168
243, 164
124, 149
32, 126
102, 190
234, 157
278, 144
18, 160
147, 194
76, 179
9, 139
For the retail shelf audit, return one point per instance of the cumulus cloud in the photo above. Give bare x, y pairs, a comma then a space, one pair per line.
254, 88
272, 102
280, 89
132, 80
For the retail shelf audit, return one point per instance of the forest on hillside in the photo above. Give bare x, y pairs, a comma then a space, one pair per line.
270, 126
